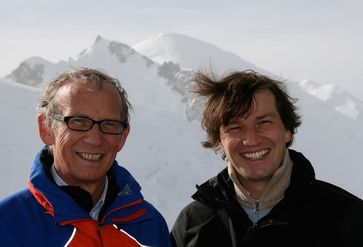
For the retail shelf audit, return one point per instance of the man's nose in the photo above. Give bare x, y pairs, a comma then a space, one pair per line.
251, 137
94, 135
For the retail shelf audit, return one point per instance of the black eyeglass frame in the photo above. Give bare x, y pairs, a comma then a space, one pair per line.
66, 119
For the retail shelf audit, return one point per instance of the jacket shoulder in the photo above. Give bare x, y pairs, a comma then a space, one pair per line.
16, 201
18, 213
349, 212
330, 191
199, 225
196, 212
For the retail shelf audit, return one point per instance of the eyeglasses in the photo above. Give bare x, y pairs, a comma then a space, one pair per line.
112, 127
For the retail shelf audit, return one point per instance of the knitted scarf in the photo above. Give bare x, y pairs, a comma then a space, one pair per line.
274, 190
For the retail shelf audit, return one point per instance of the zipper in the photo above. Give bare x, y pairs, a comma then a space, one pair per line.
256, 210
257, 206
99, 232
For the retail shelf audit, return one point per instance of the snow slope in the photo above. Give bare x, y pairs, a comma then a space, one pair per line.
143, 79
191, 53
194, 54
19, 140
336, 97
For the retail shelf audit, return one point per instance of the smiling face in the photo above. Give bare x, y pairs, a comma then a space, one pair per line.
255, 145
82, 158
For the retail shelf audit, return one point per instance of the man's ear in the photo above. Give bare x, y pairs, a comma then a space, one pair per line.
220, 146
123, 138
45, 132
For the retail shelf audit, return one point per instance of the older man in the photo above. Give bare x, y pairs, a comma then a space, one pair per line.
78, 195
268, 194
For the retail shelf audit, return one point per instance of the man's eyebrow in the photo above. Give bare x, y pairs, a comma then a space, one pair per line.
266, 115
233, 121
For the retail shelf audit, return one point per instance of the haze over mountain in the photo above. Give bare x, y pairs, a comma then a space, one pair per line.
194, 54
191, 53
163, 150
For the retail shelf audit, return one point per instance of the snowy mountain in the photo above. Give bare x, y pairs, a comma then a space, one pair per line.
143, 79
335, 97
163, 150
191, 53
194, 54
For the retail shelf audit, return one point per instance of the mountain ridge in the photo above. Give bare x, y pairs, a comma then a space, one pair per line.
175, 62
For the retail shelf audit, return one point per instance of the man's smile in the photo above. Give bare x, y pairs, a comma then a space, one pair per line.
90, 156
256, 155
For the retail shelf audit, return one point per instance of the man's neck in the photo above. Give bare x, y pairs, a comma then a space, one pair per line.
254, 188
95, 190
268, 192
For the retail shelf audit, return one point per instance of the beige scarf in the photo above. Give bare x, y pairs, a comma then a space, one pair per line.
274, 190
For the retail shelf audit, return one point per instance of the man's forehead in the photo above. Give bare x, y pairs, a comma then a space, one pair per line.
71, 90
78, 96
259, 115
75, 87
256, 112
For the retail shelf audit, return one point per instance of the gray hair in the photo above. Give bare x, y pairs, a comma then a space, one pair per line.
47, 104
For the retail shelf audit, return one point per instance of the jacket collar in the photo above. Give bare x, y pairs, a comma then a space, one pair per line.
273, 192
218, 192
63, 207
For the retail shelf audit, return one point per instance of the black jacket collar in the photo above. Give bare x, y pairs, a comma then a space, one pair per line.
218, 192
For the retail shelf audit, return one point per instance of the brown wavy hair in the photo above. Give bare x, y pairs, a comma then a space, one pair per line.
233, 95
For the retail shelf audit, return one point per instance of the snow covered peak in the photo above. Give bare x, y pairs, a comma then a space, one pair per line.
143, 79
334, 97
322, 92
191, 53
103, 48
99, 45
31, 71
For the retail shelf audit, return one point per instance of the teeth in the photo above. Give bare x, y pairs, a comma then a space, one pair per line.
88, 156
256, 155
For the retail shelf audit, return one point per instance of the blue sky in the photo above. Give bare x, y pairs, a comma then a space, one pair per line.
319, 40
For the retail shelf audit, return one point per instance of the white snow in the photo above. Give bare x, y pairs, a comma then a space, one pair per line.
190, 53
323, 92
336, 97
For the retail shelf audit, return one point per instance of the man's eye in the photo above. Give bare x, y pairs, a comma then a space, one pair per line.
111, 125
233, 128
264, 122
79, 120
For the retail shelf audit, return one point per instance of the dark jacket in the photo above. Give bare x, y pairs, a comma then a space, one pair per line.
312, 213
46, 215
